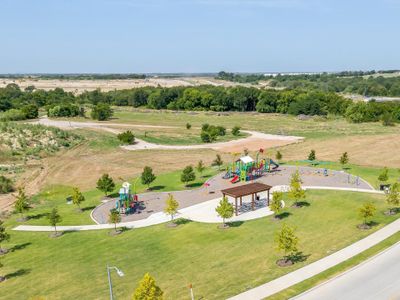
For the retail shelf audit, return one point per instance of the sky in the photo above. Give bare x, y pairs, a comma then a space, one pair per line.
192, 36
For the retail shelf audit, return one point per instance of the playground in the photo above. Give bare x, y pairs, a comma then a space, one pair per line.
135, 207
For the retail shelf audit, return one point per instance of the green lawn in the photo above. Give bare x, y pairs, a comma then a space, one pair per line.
55, 196
73, 266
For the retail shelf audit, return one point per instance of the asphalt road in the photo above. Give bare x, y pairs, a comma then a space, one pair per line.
376, 279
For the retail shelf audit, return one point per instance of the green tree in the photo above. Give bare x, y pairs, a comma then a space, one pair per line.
236, 130
114, 217
147, 289
188, 175
147, 176
275, 204
312, 155
171, 206
218, 161
200, 167
287, 241
126, 137
54, 218
4, 236
77, 197
21, 204
344, 159
224, 209
278, 155
393, 197
384, 175
366, 211
105, 184
188, 126
101, 112
296, 192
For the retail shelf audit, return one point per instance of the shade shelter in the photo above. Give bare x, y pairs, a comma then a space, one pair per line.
238, 192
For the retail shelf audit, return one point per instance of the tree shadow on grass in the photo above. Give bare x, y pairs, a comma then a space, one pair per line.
156, 187
124, 228
195, 184
20, 246
182, 221
283, 215
372, 223
113, 195
301, 204
37, 216
299, 257
20, 272
206, 176
88, 208
235, 223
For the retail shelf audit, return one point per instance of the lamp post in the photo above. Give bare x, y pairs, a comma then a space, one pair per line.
120, 274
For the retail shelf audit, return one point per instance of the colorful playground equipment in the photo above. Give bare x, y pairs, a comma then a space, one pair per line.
127, 203
246, 169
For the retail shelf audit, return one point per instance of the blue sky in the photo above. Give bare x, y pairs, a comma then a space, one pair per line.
133, 36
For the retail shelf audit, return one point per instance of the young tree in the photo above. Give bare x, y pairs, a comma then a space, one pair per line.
236, 130
218, 161
200, 167
21, 204
287, 241
147, 176
312, 155
224, 210
384, 175
101, 112
246, 151
2, 278
278, 155
105, 184
344, 159
77, 197
367, 210
6, 185
188, 175
4, 236
171, 206
114, 217
147, 289
296, 192
393, 197
276, 205
188, 126
54, 218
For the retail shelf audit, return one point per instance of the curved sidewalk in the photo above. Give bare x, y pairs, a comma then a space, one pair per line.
288, 280
203, 212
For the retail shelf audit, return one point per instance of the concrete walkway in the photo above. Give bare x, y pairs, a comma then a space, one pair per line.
203, 212
288, 280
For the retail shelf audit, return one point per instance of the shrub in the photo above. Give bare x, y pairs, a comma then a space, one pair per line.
12, 115
30, 111
188, 126
236, 130
126, 137
6, 185
101, 112
64, 110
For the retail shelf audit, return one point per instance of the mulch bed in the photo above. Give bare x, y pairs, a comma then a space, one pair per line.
3, 251
23, 219
223, 226
115, 232
284, 262
390, 212
54, 235
171, 225
2, 278
363, 226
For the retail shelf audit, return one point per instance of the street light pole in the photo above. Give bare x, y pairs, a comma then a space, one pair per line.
110, 283
120, 274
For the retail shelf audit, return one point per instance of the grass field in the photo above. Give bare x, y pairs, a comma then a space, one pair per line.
73, 266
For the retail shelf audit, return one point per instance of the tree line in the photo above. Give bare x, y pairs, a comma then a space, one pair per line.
19, 104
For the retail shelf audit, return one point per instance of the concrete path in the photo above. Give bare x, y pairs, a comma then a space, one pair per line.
376, 278
202, 212
141, 144
319, 266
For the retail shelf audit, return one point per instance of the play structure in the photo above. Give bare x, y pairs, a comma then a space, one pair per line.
127, 203
246, 168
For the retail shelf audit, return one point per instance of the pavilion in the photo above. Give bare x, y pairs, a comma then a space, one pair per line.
238, 192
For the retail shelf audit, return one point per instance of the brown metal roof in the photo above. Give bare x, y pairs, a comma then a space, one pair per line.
247, 189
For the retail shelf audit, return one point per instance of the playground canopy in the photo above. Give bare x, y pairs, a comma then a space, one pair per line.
246, 159
246, 190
